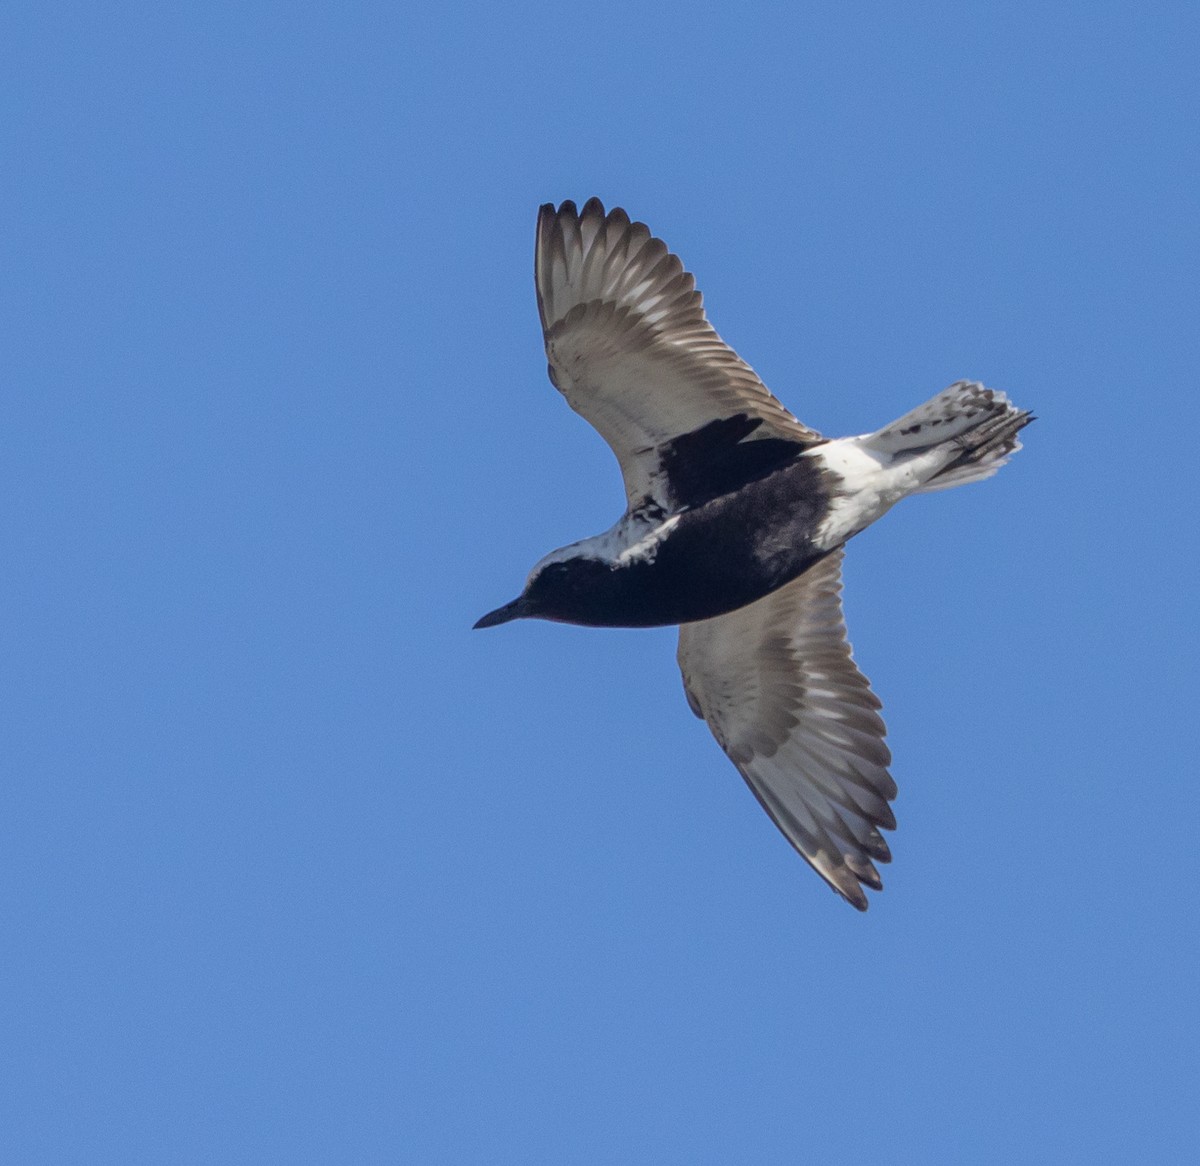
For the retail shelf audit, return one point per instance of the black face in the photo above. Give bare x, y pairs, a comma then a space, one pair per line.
572, 591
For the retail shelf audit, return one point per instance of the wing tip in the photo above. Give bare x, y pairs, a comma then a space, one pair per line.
593, 210
849, 877
567, 209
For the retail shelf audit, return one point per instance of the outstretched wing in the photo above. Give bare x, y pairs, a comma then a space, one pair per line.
776, 683
632, 351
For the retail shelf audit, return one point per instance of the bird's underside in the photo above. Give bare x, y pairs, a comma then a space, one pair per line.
736, 516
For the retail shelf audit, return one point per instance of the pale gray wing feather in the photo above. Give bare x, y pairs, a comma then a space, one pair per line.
778, 687
630, 347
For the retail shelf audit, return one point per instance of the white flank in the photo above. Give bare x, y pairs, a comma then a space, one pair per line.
869, 482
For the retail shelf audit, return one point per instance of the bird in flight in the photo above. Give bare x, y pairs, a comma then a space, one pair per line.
736, 518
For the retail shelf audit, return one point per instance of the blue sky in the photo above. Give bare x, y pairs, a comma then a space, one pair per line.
296, 867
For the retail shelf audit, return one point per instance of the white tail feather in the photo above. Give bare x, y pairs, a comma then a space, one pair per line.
964, 434
977, 424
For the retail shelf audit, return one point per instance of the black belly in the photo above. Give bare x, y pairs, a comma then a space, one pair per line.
720, 556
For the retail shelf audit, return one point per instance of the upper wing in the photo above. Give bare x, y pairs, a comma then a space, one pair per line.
777, 686
632, 351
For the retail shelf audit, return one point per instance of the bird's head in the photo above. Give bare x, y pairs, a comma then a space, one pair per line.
559, 588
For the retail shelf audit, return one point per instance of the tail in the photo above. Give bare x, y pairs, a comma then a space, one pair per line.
979, 426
